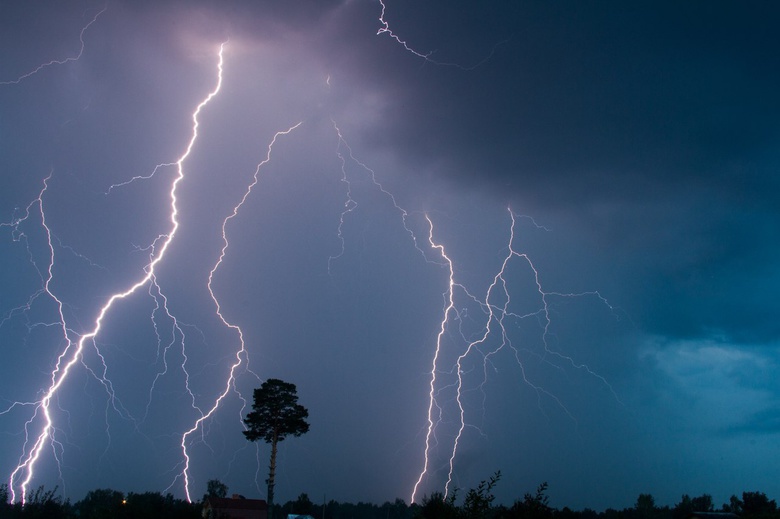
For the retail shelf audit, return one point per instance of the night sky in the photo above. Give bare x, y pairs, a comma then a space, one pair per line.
615, 162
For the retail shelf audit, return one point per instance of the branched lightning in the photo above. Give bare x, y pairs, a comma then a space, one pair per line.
385, 29
74, 350
241, 356
496, 307
40, 407
350, 204
57, 61
494, 335
161, 305
449, 309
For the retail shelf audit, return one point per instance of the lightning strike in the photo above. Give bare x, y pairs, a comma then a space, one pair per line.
58, 61
496, 307
449, 309
73, 352
385, 29
242, 355
350, 204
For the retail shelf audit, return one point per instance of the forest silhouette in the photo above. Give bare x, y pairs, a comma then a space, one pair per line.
475, 503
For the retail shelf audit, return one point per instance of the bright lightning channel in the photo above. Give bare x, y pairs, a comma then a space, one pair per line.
495, 315
242, 355
448, 310
24, 472
494, 324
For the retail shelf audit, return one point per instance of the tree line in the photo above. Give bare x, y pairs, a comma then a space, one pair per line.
476, 503
97, 504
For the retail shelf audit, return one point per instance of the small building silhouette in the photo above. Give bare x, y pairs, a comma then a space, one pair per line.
237, 507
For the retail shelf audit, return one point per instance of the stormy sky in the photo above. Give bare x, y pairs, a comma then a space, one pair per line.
617, 159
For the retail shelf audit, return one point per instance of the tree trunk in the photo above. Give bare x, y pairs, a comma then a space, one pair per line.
271, 474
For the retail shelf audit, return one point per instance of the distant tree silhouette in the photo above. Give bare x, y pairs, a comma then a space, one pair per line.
102, 503
533, 506
155, 504
645, 506
479, 500
5, 495
302, 505
734, 505
437, 507
215, 488
688, 505
757, 505
395, 510
275, 415
703, 503
112, 504
477, 504
39, 504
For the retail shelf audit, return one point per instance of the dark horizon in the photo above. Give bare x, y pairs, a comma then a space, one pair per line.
534, 504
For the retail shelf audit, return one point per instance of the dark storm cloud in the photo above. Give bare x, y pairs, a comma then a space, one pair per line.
644, 135
621, 100
658, 123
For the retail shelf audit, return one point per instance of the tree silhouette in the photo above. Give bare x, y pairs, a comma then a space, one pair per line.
302, 505
756, 504
101, 503
215, 488
645, 505
477, 504
533, 506
275, 415
437, 507
688, 505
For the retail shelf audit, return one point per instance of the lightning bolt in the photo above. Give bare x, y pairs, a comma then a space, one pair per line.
385, 29
350, 204
496, 315
74, 350
496, 307
40, 407
241, 355
58, 61
449, 309
72, 353
495, 304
